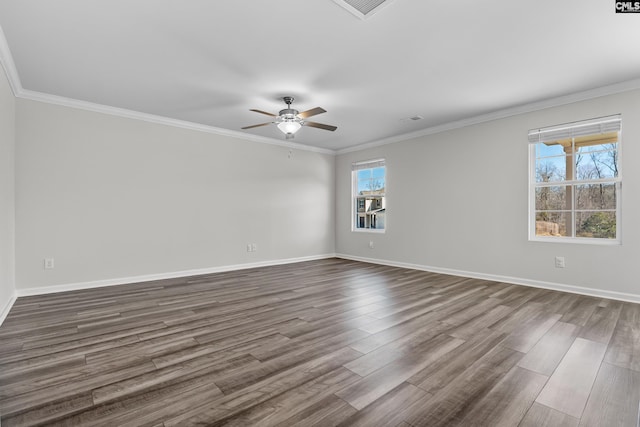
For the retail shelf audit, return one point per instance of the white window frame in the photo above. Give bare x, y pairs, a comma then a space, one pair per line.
573, 130
355, 167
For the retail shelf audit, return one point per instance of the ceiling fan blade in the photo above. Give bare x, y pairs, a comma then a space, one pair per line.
256, 126
312, 112
263, 112
320, 126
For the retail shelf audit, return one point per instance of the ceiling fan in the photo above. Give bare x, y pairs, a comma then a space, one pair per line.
289, 120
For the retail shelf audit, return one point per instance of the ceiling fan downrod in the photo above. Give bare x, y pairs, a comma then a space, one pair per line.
288, 112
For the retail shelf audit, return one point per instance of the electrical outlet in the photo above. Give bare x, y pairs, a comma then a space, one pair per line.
254, 247
371, 244
248, 247
560, 262
48, 263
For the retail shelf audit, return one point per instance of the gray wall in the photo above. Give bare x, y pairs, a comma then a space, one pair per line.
458, 200
109, 197
7, 195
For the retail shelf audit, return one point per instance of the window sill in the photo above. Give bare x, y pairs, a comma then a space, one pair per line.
367, 230
577, 240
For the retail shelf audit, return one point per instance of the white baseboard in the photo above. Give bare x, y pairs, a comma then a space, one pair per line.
600, 293
4, 311
621, 296
171, 275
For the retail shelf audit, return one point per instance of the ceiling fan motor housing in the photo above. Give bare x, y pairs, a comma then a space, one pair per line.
288, 113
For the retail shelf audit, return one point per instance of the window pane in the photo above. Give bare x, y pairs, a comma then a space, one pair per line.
544, 150
371, 186
370, 213
551, 169
363, 186
378, 173
364, 174
552, 223
597, 164
596, 196
378, 181
369, 200
600, 225
553, 198
583, 148
376, 186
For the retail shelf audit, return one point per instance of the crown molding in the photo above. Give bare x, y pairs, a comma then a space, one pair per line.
501, 114
6, 60
152, 118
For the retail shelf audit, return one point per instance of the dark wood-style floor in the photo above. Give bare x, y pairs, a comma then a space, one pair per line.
324, 343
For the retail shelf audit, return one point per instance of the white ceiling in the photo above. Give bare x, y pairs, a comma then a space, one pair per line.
209, 62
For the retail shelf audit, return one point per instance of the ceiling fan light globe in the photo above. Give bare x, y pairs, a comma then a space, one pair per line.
289, 127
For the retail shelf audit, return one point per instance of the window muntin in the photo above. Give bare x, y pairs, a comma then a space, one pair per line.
368, 195
575, 182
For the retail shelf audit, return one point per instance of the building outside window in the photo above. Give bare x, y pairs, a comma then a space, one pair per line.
575, 181
368, 195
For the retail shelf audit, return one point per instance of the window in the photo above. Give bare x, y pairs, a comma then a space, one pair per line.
368, 194
575, 181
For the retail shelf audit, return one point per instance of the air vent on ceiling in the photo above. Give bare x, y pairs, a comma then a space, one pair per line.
363, 8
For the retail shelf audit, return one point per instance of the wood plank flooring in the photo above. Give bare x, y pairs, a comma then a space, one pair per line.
321, 343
